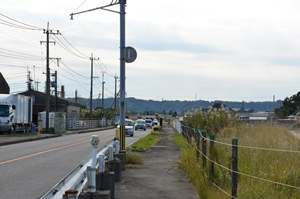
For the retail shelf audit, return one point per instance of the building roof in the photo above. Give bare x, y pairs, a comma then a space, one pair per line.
40, 98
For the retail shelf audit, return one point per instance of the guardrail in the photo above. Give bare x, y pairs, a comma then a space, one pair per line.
84, 175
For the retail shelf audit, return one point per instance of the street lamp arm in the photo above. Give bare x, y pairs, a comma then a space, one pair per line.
102, 8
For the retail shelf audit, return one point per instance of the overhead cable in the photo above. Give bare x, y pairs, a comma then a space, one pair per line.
84, 55
74, 70
18, 24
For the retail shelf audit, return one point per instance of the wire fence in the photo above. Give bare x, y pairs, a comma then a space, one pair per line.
199, 140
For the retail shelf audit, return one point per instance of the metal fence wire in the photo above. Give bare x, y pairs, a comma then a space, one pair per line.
195, 138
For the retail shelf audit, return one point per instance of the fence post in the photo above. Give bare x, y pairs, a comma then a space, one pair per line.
211, 154
234, 175
203, 148
185, 132
189, 137
197, 139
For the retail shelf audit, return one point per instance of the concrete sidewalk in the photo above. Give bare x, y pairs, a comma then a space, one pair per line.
159, 176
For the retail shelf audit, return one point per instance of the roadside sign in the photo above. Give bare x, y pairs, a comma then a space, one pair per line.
130, 54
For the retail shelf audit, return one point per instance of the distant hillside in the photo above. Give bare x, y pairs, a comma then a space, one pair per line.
140, 106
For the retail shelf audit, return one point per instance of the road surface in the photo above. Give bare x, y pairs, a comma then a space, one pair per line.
28, 170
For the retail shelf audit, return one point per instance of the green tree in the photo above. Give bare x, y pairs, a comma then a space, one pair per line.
289, 106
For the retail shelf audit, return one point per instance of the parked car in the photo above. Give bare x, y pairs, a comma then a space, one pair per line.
148, 122
129, 127
155, 122
140, 124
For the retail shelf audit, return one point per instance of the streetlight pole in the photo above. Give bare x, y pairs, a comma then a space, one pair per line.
123, 59
122, 74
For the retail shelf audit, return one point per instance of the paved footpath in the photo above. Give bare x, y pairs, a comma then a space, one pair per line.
159, 176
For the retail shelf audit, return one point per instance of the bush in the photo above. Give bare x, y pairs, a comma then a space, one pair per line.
133, 158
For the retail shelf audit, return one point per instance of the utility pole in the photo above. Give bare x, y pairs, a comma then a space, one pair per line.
55, 91
103, 82
122, 74
29, 80
99, 104
33, 76
48, 32
47, 81
131, 56
54, 84
116, 79
91, 90
37, 84
76, 96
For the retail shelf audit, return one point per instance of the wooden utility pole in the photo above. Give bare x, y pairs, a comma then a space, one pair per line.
48, 32
91, 90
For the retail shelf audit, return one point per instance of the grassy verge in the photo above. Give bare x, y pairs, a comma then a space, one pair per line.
282, 167
133, 158
145, 143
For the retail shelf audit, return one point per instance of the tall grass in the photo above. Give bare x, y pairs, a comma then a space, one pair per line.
282, 167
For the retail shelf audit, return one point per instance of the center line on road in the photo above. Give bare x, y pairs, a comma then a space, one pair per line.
45, 151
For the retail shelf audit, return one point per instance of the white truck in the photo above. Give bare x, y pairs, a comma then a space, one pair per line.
15, 113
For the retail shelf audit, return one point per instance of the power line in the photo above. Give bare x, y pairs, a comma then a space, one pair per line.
25, 24
74, 71
16, 66
14, 25
78, 82
15, 53
74, 47
105, 68
17, 40
80, 5
66, 48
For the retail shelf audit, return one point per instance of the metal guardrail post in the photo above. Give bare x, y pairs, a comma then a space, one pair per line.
91, 171
110, 152
101, 160
117, 147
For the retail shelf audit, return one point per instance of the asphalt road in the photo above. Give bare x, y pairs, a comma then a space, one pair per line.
28, 170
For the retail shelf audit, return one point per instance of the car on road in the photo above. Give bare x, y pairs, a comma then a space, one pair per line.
129, 127
148, 123
155, 122
140, 124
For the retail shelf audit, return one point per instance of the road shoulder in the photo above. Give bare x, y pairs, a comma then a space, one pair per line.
159, 176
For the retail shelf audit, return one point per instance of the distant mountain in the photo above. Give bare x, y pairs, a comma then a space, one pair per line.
141, 106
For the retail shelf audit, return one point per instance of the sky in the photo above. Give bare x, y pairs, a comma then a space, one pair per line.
187, 50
